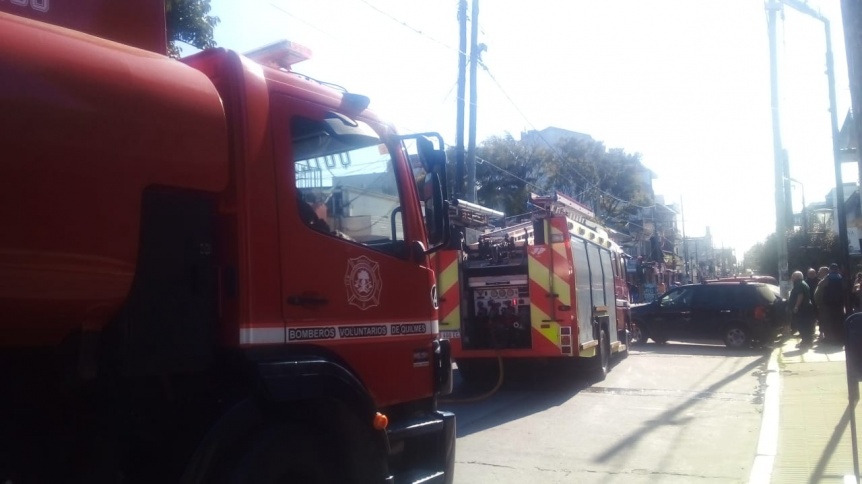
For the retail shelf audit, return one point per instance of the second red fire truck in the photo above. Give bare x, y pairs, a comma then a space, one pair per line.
550, 288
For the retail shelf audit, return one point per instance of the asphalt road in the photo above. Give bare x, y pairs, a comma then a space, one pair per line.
675, 413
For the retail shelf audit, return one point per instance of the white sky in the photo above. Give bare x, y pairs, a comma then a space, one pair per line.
685, 83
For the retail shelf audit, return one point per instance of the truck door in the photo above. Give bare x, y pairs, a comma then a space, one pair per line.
348, 279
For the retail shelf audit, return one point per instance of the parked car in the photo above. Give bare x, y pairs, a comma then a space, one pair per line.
740, 314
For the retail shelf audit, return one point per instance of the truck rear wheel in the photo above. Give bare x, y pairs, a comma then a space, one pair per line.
601, 362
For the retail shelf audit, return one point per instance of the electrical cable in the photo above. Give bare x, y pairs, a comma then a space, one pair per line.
409, 27
553, 148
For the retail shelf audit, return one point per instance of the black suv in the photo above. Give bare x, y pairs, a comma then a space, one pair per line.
738, 313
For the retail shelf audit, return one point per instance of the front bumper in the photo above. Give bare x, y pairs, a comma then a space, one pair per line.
422, 450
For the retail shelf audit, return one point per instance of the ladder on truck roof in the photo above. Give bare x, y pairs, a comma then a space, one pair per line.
470, 215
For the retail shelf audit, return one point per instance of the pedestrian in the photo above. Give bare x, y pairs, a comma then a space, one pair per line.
802, 311
857, 292
812, 280
834, 301
822, 313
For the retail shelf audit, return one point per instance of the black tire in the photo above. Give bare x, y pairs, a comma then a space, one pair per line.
736, 336
602, 360
624, 337
637, 336
659, 340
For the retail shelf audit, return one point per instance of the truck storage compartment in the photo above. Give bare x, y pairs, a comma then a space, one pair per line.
498, 313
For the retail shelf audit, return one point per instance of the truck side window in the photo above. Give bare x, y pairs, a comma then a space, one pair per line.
346, 184
312, 210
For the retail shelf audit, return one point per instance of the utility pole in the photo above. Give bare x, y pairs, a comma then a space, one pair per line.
772, 8
460, 173
697, 260
804, 210
836, 149
471, 142
685, 243
836, 155
851, 13
840, 206
788, 192
851, 10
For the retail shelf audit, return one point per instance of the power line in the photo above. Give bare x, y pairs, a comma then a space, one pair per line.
408, 26
589, 185
315, 27
482, 161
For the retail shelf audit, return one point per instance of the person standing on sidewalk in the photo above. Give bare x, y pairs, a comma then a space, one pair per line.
834, 300
802, 310
857, 292
822, 313
812, 280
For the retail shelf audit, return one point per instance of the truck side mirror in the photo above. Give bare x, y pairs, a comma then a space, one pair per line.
435, 211
429, 168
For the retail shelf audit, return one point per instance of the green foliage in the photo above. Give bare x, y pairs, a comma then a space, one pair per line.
814, 249
606, 180
505, 181
189, 21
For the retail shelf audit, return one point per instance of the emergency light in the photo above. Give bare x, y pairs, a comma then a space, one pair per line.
280, 55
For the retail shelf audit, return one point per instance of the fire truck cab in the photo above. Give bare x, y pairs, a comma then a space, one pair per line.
203, 266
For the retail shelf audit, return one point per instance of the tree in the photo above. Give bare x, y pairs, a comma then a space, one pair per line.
189, 21
572, 167
607, 179
506, 172
814, 249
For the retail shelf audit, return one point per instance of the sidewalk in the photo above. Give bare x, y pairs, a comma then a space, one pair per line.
813, 442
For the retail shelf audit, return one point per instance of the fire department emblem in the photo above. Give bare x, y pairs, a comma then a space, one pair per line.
363, 282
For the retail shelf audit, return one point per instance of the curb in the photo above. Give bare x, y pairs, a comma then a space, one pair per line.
767, 443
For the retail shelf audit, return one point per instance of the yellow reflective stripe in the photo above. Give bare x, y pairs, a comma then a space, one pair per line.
588, 352
448, 277
539, 318
452, 320
560, 249
563, 290
538, 273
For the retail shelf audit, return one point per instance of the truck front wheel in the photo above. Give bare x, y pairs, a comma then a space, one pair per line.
285, 452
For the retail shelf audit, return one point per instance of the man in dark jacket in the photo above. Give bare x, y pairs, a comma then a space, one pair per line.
833, 303
812, 280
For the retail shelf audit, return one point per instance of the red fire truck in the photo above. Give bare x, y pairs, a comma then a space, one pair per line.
204, 265
553, 288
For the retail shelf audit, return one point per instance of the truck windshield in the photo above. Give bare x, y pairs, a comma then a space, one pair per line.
346, 182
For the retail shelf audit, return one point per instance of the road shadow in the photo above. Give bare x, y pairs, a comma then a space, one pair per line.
819, 471
698, 348
671, 416
528, 387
